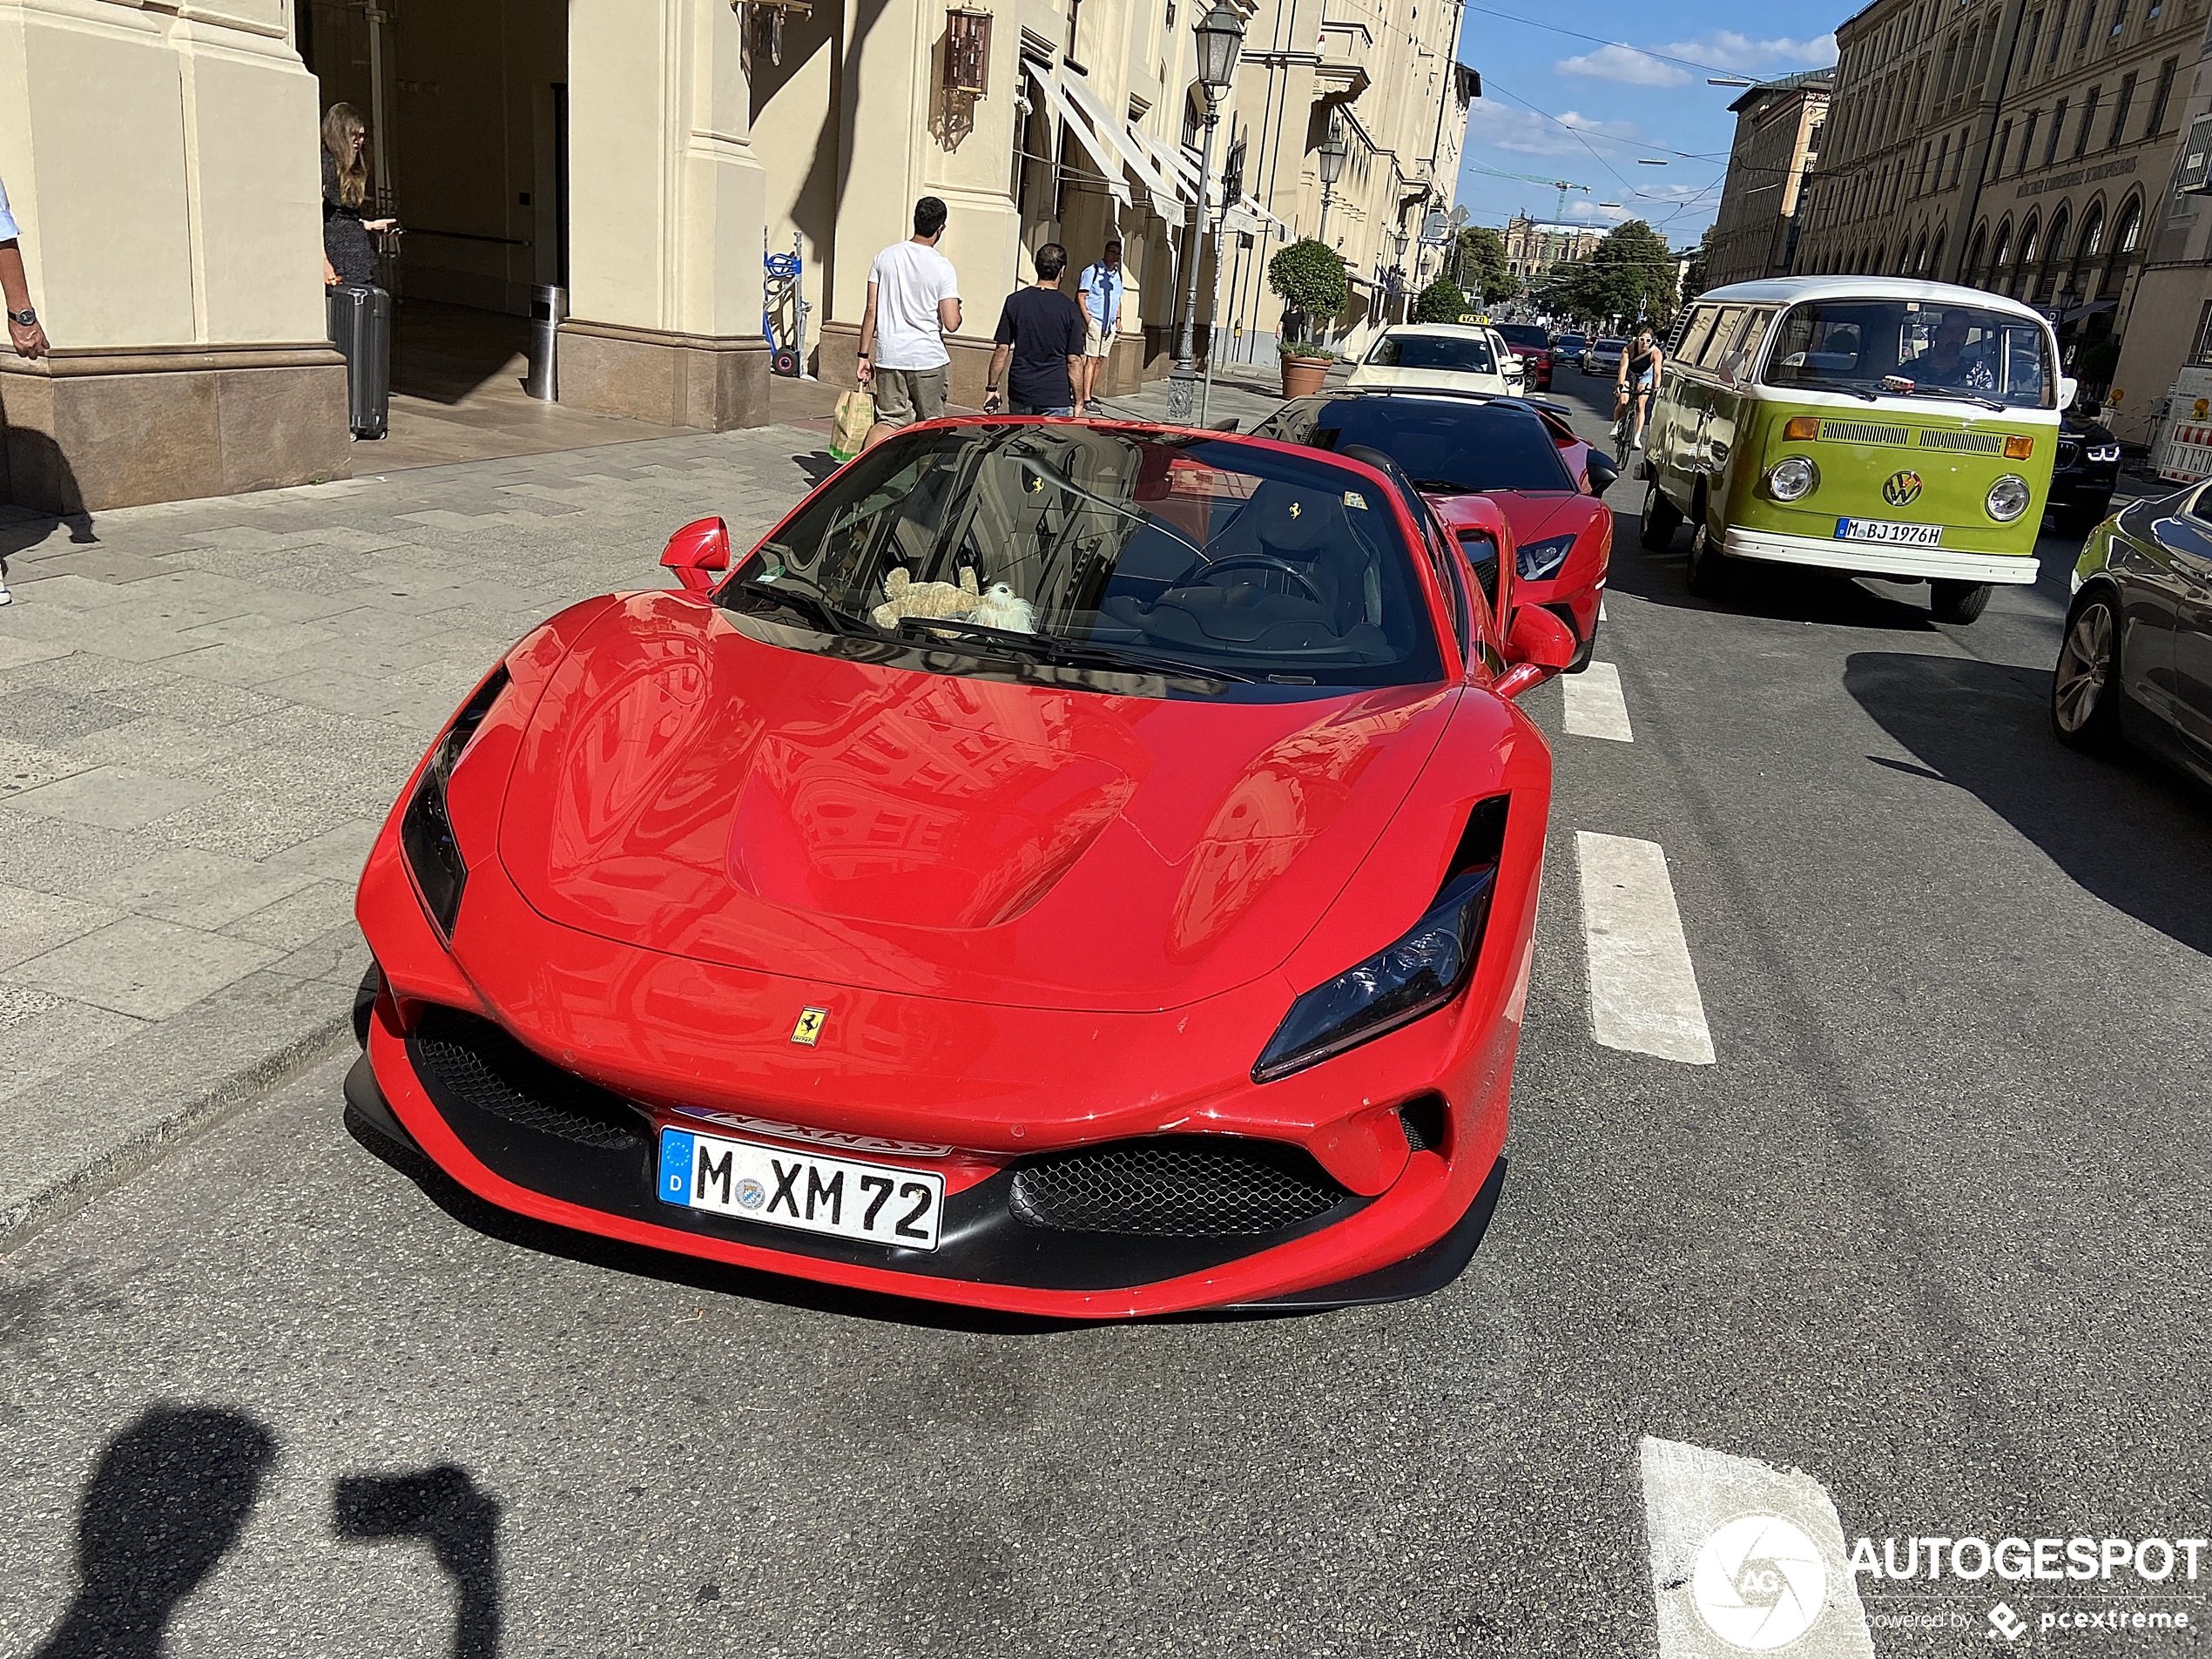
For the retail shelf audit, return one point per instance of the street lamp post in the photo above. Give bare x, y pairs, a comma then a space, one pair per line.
1221, 36
1333, 151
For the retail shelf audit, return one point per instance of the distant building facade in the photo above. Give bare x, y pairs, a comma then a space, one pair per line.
1778, 127
1533, 247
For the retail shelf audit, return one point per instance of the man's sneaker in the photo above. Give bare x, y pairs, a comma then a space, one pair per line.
6, 597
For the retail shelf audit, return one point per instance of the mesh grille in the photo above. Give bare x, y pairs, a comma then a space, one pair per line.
1864, 431
1187, 1187
475, 1060
2068, 454
1971, 443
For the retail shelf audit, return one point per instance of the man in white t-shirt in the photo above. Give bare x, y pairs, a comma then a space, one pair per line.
25, 333
913, 302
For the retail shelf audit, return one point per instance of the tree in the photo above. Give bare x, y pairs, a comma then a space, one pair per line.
1700, 263
1630, 273
1441, 301
1479, 261
1308, 277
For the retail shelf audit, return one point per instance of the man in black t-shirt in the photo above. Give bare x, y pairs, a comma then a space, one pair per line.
1041, 329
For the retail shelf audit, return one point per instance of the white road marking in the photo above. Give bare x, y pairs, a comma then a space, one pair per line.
1689, 1492
1600, 608
1594, 705
1643, 991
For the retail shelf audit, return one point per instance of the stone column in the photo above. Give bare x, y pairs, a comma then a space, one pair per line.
164, 170
666, 205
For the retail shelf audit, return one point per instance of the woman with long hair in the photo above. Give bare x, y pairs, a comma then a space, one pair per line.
347, 254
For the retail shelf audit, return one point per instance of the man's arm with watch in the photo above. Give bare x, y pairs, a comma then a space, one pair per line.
24, 331
1000, 354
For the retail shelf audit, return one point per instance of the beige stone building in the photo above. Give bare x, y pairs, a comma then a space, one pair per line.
2168, 327
2019, 145
644, 156
1533, 247
1779, 127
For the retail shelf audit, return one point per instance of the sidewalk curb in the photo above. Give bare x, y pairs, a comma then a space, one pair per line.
150, 1144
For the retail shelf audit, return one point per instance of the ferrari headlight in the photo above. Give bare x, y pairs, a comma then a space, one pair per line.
1792, 478
426, 832
1538, 560
1418, 975
2008, 498
2104, 452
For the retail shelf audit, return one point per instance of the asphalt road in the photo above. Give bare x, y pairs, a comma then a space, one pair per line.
1930, 1229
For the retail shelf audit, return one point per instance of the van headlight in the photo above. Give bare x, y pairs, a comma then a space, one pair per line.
2008, 498
1792, 478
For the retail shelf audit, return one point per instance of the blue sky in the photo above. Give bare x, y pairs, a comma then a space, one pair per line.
1560, 106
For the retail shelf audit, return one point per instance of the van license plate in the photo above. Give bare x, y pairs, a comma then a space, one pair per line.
1890, 534
809, 1193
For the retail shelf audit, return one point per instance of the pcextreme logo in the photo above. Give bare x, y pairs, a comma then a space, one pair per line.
1758, 1583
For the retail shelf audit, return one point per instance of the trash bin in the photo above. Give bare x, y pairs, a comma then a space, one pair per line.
548, 307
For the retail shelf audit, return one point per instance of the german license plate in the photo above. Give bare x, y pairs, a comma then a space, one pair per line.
1890, 534
810, 1194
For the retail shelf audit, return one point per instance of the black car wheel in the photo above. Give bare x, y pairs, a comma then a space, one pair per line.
1710, 577
1661, 520
1958, 602
2085, 686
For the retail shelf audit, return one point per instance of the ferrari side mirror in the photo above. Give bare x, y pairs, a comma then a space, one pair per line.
1538, 645
1602, 472
697, 552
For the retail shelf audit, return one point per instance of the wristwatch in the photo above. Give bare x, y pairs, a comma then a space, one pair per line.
25, 318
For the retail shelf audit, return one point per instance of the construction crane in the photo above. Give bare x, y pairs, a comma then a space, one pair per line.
1562, 185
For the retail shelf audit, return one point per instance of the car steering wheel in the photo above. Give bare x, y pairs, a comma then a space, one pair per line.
1266, 562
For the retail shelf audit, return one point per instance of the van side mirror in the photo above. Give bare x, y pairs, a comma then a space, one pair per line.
1602, 472
698, 553
1538, 645
2069, 388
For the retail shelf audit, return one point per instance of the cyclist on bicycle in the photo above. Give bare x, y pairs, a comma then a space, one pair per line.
1634, 385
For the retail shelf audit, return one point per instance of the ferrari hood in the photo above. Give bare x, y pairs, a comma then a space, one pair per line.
686, 788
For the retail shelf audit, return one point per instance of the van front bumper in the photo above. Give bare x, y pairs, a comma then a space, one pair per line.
1899, 563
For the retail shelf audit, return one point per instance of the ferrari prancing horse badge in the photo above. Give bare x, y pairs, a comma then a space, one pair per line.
809, 1026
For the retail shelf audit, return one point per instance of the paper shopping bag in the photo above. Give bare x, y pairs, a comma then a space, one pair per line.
855, 415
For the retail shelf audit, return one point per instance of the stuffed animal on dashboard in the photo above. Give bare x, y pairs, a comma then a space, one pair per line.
905, 597
1000, 607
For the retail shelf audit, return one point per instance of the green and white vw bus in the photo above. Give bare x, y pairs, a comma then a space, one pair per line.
1873, 425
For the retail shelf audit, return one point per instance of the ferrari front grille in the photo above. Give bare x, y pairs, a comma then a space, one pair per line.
462, 1055
1184, 1186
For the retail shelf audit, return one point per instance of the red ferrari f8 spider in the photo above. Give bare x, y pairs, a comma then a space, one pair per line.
1070, 868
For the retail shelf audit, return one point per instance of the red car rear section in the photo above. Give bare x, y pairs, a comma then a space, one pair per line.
1028, 939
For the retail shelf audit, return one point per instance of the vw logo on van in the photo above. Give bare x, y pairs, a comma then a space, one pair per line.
1901, 488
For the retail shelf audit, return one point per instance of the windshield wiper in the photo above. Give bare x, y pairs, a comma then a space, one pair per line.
833, 620
1066, 653
1956, 396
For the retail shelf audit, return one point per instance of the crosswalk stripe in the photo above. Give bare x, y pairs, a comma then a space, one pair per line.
1594, 705
1644, 990
1721, 1568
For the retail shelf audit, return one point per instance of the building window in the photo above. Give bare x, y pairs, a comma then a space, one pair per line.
2203, 355
2131, 227
2028, 137
2058, 125
1942, 154
1920, 178
2165, 94
1958, 161
2119, 18
2088, 116
2034, 31
2004, 143
2058, 33
2119, 111
1074, 15
2089, 26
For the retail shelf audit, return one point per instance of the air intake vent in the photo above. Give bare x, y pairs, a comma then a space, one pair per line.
1176, 1187
1965, 443
473, 1060
1863, 432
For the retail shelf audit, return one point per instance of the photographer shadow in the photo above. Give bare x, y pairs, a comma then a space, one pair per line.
443, 1507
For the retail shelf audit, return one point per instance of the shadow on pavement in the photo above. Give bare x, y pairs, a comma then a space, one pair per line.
2126, 830
169, 1497
1778, 592
444, 1508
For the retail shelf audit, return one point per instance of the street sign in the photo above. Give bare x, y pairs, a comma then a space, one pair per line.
1437, 227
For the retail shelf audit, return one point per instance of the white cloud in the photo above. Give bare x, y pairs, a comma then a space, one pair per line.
1625, 64
1724, 50
1526, 134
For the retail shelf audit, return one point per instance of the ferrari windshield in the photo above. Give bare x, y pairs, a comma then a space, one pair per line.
1457, 446
1099, 547
1915, 348
1469, 353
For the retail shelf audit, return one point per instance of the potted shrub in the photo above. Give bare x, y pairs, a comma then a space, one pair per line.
1308, 277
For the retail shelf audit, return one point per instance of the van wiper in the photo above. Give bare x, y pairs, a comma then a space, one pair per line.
1065, 653
1956, 396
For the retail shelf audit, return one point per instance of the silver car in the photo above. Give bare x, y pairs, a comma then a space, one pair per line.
1604, 357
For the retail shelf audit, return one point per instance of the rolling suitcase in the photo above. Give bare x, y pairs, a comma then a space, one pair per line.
361, 327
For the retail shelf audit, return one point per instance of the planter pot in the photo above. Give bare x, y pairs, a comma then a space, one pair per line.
1303, 375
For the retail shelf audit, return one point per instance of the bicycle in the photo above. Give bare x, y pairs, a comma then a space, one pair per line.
1627, 426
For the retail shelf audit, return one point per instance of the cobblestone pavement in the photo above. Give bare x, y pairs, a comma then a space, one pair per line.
206, 710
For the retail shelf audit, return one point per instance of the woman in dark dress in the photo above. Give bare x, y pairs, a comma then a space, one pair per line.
347, 254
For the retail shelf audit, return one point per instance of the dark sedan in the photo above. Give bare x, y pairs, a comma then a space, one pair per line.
2135, 661
2086, 468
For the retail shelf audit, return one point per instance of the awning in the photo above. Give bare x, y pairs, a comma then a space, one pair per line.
1135, 148
1104, 155
1247, 215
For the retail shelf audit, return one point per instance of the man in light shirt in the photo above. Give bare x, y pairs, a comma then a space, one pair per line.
1102, 287
913, 302
25, 333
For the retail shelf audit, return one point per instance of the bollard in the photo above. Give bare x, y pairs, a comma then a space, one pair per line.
548, 307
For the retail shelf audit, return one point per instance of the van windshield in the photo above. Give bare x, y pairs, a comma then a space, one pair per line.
1915, 348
